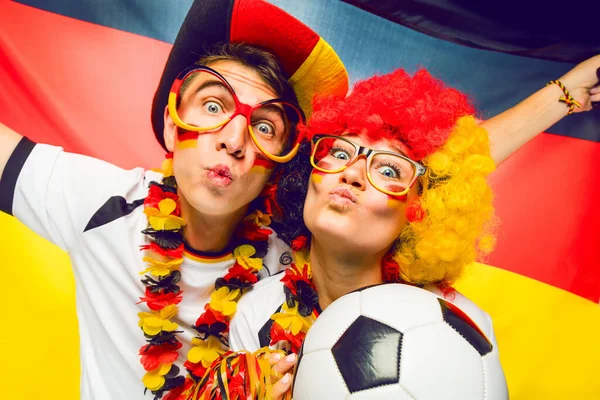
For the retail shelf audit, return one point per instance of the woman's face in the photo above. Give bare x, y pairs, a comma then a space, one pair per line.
345, 209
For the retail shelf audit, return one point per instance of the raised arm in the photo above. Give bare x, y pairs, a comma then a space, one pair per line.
8, 141
516, 126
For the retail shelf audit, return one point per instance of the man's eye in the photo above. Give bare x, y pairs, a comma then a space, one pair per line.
264, 128
213, 107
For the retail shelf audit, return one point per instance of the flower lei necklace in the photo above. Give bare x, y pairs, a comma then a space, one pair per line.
244, 375
301, 308
164, 255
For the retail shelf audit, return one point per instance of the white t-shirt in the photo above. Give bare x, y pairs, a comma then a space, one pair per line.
94, 211
250, 328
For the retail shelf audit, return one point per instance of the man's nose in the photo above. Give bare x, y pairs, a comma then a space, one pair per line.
233, 136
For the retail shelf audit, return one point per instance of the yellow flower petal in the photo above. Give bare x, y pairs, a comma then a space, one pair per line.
301, 260
205, 351
173, 222
151, 211
153, 381
161, 268
167, 167
167, 206
169, 326
224, 300
195, 355
164, 368
168, 311
244, 250
290, 320
253, 263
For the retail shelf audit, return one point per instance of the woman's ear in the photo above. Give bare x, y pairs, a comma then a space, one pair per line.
169, 131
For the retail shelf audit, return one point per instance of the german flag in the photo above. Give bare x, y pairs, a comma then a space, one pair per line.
83, 75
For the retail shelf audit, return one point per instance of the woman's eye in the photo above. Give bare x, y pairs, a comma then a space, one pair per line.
341, 154
388, 172
213, 107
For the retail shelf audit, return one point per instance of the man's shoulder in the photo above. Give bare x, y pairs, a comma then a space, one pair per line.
266, 291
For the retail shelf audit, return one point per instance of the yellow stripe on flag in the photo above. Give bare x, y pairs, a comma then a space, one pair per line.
548, 338
40, 351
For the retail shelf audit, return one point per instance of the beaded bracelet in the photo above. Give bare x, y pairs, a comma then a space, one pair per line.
567, 98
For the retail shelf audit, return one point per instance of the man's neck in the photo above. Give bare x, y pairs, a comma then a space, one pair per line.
336, 273
210, 233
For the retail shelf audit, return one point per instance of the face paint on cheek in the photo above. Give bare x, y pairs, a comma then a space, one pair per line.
262, 165
395, 201
187, 140
316, 176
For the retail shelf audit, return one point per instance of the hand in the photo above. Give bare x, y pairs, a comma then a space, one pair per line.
582, 83
281, 366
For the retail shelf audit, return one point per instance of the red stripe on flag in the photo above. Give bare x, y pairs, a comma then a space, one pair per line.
547, 198
79, 85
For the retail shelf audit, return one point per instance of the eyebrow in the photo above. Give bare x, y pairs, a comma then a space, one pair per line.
278, 110
208, 84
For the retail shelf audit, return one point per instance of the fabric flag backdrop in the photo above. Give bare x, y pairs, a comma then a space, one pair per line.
82, 75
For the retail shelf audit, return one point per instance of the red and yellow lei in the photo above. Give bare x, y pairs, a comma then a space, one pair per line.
243, 375
164, 255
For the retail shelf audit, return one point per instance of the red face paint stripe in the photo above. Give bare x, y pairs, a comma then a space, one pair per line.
188, 136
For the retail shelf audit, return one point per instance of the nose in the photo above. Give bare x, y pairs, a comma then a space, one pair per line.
232, 137
355, 173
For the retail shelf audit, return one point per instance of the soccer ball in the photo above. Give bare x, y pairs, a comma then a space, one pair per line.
397, 341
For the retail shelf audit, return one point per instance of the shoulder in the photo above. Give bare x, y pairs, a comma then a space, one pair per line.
266, 292
275, 259
250, 327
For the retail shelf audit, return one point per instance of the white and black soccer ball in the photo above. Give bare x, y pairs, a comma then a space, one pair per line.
396, 341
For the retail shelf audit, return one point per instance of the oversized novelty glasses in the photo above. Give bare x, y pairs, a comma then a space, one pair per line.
208, 103
392, 173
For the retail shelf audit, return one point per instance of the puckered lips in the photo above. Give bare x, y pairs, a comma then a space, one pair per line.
342, 196
220, 175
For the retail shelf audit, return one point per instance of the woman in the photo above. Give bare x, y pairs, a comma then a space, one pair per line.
396, 192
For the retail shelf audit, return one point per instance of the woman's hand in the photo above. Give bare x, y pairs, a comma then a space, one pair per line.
582, 83
280, 373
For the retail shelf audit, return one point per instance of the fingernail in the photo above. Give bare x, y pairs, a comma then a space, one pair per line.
276, 356
285, 379
290, 358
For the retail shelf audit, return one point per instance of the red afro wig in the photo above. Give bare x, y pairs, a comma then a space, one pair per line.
419, 111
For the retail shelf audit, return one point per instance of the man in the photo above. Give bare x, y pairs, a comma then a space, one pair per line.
72, 200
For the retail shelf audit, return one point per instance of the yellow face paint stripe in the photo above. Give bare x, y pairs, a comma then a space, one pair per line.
187, 144
316, 178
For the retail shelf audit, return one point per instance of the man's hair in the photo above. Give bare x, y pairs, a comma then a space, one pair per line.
448, 225
264, 63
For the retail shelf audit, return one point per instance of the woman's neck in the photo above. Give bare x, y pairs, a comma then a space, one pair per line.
210, 233
336, 273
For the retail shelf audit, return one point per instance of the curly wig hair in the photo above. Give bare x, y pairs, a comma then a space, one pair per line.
449, 225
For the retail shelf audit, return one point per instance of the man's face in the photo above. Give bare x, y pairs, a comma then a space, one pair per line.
224, 171
346, 208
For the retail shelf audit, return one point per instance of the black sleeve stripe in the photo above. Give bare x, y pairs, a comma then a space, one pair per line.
264, 334
114, 208
14, 165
